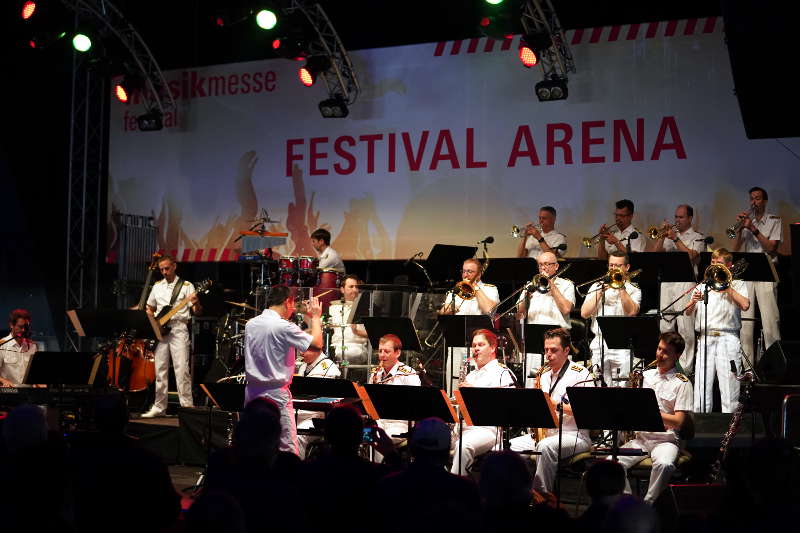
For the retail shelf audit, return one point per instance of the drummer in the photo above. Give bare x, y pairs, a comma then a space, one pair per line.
349, 341
328, 257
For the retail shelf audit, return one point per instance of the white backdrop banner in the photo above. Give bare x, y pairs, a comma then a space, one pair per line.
447, 143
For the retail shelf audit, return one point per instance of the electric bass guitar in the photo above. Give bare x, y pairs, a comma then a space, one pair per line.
168, 311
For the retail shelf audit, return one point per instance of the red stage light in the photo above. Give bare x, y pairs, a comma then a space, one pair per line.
32, 43
485, 21
276, 43
528, 56
121, 93
306, 78
28, 8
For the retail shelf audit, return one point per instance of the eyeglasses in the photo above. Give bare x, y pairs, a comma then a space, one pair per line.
468, 271
547, 264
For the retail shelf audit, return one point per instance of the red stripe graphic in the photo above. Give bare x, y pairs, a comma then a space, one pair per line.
507, 42
577, 36
672, 25
690, 24
473, 44
709, 26
652, 28
439, 48
212, 254
489, 46
456, 48
614, 35
633, 29
596, 32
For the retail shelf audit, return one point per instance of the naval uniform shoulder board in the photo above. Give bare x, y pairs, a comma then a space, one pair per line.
325, 365
773, 217
405, 369
681, 377
487, 284
376, 369
577, 368
185, 283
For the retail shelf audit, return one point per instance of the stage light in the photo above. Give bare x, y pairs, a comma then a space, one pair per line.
125, 86
548, 90
151, 121
314, 65
28, 9
531, 47
494, 2
266, 19
334, 107
121, 93
81, 42
290, 47
528, 56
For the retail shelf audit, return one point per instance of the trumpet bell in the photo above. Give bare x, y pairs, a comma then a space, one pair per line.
718, 277
515, 232
587, 242
541, 283
653, 233
464, 290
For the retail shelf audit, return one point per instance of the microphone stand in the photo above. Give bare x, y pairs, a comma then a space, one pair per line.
560, 408
706, 290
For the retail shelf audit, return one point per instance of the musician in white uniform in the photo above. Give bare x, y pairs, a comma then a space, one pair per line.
171, 290
680, 237
621, 238
603, 300
562, 373
545, 240
674, 395
349, 341
315, 365
551, 307
760, 232
486, 297
724, 322
16, 349
476, 440
328, 257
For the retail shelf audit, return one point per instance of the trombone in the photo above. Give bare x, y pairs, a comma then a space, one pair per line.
616, 278
541, 282
718, 277
654, 233
591, 241
731, 231
520, 232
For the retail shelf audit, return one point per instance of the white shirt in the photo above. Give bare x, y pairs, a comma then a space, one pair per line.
574, 374
553, 240
492, 374
692, 239
329, 258
772, 228
471, 307
400, 374
674, 393
269, 352
161, 294
15, 359
542, 308
723, 313
338, 313
637, 244
611, 305
321, 367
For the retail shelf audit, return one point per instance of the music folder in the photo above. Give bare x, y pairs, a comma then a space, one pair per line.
406, 402
506, 407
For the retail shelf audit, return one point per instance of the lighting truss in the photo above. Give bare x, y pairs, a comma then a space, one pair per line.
556, 60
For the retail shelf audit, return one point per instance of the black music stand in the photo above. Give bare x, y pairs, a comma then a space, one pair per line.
583, 269
638, 334
114, 322
533, 340
444, 262
225, 397
321, 394
403, 327
662, 267
406, 402
617, 409
457, 331
60, 368
759, 267
503, 270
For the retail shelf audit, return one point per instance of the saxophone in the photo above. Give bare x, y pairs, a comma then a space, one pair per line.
464, 370
539, 434
635, 381
746, 380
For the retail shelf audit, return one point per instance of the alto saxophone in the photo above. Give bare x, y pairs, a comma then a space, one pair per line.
539, 434
635, 381
464, 370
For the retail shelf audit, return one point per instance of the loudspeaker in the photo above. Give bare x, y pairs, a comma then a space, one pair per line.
761, 39
780, 364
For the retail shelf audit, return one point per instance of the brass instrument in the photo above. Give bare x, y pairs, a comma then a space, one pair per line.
719, 277
539, 433
541, 282
464, 370
593, 240
635, 381
464, 290
520, 232
614, 278
733, 230
654, 232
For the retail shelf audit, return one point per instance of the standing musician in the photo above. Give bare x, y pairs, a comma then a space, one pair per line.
328, 257
551, 307
562, 373
271, 343
175, 344
674, 395
350, 341
546, 239
722, 338
16, 349
315, 365
760, 231
680, 237
603, 300
620, 239
476, 440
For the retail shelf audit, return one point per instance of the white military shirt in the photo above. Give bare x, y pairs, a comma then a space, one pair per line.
338, 312
15, 359
400, 374
470, 307
330, 259
723, 313
161, 293
558, 390
492, 374
611, 305
636, 245
542, 308
772, 228
674, 393
553, 240
321, 367
270, 352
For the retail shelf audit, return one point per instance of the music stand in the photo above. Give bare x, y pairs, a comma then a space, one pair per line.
60, 368
634, 333
114, 322
617, 409
759, 266
662, 267
403, 327
457, 331
225, 396
512, 269
322, 394
583, 269
445, 260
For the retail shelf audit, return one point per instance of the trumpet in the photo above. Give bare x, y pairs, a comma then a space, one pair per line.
520, 232
616, 278
591, 241
731, 231
654, 232
541, 282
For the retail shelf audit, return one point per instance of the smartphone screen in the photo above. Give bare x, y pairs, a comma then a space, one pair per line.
368, 434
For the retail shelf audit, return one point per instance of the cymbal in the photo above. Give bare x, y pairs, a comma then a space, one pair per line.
243, 305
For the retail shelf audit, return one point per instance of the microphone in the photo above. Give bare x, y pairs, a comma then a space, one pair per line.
707, 240
562, 247
487, 240
634, 235
410, 259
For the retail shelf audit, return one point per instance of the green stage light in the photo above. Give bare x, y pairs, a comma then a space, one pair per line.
266, 19
81, 42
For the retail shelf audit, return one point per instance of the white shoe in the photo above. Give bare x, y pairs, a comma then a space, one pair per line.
153, 412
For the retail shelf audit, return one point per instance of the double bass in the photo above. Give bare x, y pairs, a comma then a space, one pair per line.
131, 362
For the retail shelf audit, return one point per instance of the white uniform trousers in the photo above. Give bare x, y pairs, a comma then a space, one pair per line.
616, 364
663, 455
392, 428
305, 421
765, 294
721, 350
175, 345
475, 440
684, 324
572, 442
283, 398
354, 353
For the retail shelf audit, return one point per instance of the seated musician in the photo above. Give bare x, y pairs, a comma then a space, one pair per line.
562, 373
476, 440
349, 341
328, 257
16, 349
315, 365
674, 395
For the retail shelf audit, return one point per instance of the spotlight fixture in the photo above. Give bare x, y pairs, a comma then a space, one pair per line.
531, 47
335, 107
28, 9
152, 121
124, 86
553, 89
266, 19
314, 65
81, 42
